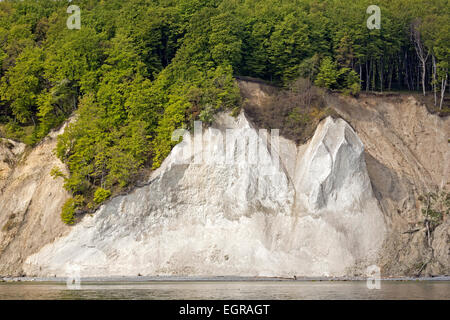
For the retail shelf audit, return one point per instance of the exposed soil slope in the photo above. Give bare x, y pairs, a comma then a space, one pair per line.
30, 203
407, 155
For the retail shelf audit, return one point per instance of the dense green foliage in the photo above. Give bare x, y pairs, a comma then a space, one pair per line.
101, 195
70, 208
138, 69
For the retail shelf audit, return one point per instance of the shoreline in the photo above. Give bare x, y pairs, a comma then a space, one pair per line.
174, 279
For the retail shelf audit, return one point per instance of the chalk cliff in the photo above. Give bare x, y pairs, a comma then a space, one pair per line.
234, 200
231, 214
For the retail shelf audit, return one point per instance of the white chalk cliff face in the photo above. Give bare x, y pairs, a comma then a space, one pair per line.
275, 210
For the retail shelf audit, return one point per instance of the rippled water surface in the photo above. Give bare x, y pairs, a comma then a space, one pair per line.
230, 290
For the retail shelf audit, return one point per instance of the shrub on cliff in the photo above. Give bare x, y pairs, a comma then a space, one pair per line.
70, 207
330, 76
435, 206
101, 195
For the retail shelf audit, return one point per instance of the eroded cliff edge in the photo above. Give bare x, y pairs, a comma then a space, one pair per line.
344, 200
408, 155
30, 201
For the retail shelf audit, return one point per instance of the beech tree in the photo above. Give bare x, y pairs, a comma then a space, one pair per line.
422, 52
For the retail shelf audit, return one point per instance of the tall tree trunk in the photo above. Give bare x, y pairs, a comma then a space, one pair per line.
411, 74
443, 86
424, 72
381, 74
391, 71
373, 75
360, 75
420, 49
406, 71
434, 80
367, 77
418, 78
